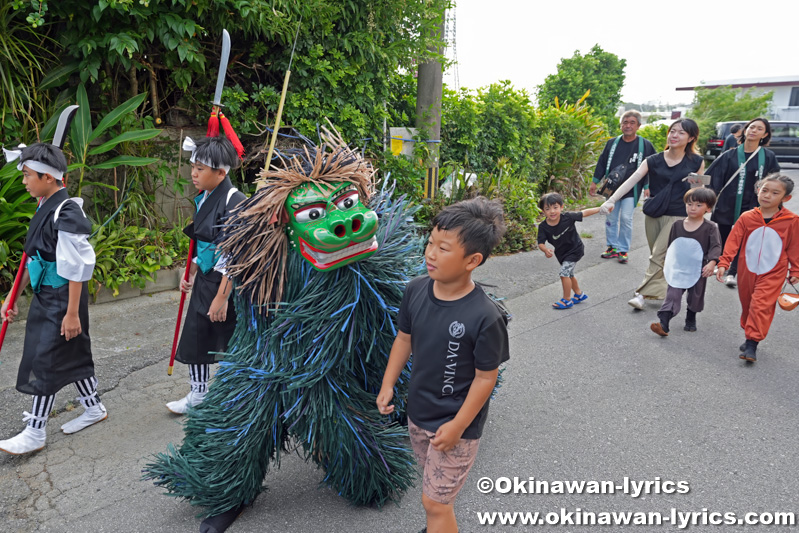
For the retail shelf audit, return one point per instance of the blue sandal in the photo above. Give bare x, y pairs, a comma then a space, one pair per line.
563, 303
577, 298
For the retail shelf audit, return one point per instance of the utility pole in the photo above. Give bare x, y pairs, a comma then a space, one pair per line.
429, 87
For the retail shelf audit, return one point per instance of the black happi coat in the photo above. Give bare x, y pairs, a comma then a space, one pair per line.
722, 169
202, 339
49, 362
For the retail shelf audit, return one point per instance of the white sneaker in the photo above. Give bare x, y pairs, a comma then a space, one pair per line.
637, 301
90, 416
192, 399
730, 281
28, 441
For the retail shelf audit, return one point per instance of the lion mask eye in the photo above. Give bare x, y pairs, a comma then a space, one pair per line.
348, 200
310, 213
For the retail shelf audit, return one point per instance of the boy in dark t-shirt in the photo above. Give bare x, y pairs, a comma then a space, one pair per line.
458, 338
559, 229
693, 252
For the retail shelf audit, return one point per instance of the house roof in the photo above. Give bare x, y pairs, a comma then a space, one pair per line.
745, 83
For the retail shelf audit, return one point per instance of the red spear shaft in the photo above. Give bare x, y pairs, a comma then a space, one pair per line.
180, 310
12, 297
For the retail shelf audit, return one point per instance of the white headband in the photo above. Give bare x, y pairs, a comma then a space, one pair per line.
36, 166
189, 146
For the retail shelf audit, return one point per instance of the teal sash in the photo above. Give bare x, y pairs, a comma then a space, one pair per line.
207, 256
761, 163
44, 272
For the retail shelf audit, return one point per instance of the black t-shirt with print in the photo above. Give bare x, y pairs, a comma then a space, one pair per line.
449, 340
563, 236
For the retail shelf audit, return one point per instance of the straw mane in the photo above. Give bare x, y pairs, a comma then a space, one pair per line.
254, 239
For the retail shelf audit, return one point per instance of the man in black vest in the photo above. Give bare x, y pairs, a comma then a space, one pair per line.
620, 158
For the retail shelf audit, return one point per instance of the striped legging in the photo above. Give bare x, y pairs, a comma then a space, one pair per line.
43, 405
198, 377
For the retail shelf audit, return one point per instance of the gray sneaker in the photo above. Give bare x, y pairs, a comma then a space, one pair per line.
730, 281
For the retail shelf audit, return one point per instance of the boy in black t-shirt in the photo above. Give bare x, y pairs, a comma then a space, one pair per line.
458, 338
558, 228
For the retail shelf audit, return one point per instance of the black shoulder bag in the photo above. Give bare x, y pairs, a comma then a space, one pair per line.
613, 178
658, 205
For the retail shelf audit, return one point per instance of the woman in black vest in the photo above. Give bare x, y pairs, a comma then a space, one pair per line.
740, 195
666, 173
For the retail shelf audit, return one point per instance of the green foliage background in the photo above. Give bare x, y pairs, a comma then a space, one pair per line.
151, 64
656, 134
598, 71
347, 56
159, 61
16, 211
516, 152
25, 54
722, 104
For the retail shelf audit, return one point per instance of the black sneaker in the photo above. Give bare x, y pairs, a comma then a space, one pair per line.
749, 352
220, 522
749, 355
690, 320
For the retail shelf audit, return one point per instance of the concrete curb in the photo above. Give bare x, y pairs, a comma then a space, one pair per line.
165, 280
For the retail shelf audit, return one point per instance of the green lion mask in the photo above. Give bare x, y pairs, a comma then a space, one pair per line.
330, 228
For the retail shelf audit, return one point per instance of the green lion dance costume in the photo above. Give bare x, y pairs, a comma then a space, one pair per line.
320, 261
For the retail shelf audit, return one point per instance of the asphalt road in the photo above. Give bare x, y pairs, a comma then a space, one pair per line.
590, 394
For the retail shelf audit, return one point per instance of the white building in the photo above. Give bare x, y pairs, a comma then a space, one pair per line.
784, 103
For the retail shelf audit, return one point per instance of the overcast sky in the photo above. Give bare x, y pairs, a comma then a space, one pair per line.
666, 44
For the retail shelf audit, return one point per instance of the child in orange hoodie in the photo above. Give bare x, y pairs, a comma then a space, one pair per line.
768, 240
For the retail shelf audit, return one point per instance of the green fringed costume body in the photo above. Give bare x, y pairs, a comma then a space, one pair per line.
307, 373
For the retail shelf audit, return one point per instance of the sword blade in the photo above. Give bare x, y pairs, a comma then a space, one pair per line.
220, 77
64, 121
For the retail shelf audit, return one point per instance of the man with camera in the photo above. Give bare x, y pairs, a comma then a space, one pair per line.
620, 158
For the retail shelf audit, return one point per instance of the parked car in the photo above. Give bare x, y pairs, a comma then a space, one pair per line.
784, 140
716, 142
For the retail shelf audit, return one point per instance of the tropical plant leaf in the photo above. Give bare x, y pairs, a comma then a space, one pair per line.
81, 125
101, 184
116, 114
58, 76
129, 160
137, 135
